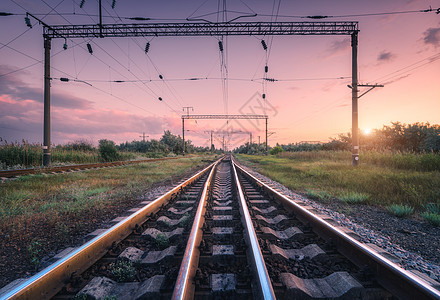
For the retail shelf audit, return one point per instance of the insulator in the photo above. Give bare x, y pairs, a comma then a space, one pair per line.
160, 76
266, 69
28, 22
264, 96
82, 3
89, 47
147, 47
65, 46
263, 43
220, 46
113, 4
64, 79
160, 98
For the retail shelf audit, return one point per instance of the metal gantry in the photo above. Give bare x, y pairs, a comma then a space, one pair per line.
220, 117
201, 29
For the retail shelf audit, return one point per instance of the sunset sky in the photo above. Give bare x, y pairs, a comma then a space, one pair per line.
309, 101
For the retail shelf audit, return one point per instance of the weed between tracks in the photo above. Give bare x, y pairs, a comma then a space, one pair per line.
382, 178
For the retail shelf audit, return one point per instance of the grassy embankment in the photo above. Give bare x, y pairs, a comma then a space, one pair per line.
382, 179
60, 203
24, 154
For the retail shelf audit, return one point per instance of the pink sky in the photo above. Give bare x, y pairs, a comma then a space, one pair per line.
401, 51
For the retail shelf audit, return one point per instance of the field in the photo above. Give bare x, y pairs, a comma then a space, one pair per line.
382, 179
37, 212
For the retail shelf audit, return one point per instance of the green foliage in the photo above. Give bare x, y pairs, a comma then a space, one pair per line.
108, 150
432, 213
277, 149
400, 210
434, 219
123, 270
353, 197
34, 250
433, 208
162, 241
318, 195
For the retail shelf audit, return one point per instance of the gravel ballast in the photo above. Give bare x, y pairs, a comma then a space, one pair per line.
415, 242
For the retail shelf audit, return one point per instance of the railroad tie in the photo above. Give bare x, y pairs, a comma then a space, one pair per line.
153, 233
272, 221
265, 210
283, 234
103, 288
310, 251
336, 285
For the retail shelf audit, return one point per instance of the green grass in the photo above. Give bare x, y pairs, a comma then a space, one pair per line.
434, 219
400, 210
53, 197
377, 182
318, 195
353, 197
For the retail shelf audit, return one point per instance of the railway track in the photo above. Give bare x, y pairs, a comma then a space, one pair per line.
222, 234
60, 169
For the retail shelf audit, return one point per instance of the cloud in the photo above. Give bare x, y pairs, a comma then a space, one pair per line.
13, 86
432, 36
23, 119
338, 47
72, 118
385, 56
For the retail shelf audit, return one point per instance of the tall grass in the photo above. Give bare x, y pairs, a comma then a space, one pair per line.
24, 154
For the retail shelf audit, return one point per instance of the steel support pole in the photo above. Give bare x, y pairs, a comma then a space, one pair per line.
354, 100
212, 148
266, 138
183, 136
46, 125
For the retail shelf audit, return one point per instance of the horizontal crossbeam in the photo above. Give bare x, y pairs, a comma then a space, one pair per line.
201, 29
223, 117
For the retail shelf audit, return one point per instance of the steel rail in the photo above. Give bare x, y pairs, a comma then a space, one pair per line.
265, 289
12, 173
398, 281
184, 287
49, 281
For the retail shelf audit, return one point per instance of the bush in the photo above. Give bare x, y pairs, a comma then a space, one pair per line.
108, 150
277, 149
400, 210
434, 219
354, 197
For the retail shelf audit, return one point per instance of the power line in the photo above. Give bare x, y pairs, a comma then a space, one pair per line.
436, 10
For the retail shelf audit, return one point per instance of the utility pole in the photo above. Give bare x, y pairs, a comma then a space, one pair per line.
183, 136
212, 148
143, 136
266, 137
46, 135
183, 126
354, 95
354, 100
258, 142
187, 109
250, 137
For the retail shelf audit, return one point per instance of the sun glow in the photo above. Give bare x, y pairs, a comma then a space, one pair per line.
367, 131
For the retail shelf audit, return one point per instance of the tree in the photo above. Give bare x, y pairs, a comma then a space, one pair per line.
108, 150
